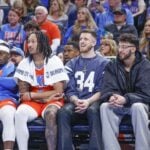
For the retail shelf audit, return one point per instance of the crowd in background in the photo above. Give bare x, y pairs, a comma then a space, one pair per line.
48, 34
109, 18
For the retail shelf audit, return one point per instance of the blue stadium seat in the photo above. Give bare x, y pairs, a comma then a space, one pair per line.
80, 132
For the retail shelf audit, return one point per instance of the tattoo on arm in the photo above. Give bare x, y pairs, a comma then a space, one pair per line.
23, 86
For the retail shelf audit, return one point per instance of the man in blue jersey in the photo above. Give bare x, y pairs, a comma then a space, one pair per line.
8, 96
83, 93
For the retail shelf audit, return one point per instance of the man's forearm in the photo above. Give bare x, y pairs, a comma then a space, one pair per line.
94, 98
73, 99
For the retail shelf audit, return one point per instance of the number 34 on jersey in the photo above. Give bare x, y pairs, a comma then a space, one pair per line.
85, 81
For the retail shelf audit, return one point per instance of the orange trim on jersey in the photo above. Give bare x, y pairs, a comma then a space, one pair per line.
39, 107
40, 72
7, 102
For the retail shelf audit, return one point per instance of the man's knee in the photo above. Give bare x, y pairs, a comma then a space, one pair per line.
66, 110
104, 107
8, 111
93, 109
19, 115
50, 114
9, 116
138, 107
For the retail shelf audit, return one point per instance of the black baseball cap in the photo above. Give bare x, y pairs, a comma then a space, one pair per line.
120, 11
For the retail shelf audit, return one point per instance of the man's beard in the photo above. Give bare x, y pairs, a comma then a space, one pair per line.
125, 57
87, 49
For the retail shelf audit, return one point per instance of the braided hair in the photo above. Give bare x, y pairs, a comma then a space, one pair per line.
43, 45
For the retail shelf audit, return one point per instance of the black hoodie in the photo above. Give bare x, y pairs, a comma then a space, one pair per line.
134, 86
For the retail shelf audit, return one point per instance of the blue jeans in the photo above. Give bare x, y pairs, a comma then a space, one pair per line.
67, 117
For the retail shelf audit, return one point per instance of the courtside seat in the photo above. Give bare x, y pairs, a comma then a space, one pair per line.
37, 134
126, 134
36, 125
80, 132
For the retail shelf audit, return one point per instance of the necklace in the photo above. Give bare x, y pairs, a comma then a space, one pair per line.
39, 65
84, 68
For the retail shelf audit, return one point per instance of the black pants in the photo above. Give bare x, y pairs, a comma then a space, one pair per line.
67, 117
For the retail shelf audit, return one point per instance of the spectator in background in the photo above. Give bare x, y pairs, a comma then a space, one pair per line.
41, 81
19, 6
84, 21
29, 27
5, 6
30, 5
83, 94
13, 32
16, 55
126, 91
69, 6
71, 50
8, 97
145, 40
97, 7
73, 14
57, 15
108, 47
138, 9
108, 17
120, 25
47, 27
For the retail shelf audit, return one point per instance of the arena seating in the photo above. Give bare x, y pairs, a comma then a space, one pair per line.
80, 133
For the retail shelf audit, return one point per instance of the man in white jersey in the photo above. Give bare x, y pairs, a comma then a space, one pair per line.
41, 81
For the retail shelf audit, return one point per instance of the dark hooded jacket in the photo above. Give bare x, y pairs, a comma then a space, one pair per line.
134, 86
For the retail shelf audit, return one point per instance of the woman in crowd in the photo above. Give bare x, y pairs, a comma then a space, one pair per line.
13, 32
138, 9
145, 40
30, 6
84, 21
108, 47
57, 15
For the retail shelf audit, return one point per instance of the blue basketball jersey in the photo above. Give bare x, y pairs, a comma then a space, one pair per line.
85, 76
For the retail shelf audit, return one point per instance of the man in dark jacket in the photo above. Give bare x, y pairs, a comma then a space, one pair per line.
120, 26
126, 90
